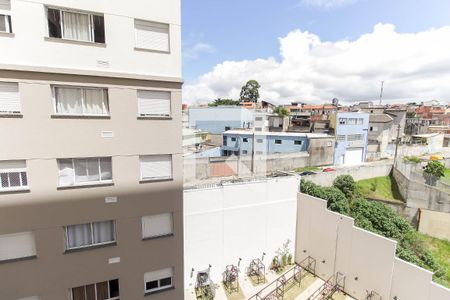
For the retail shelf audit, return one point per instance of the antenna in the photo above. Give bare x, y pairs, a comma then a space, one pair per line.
381, 93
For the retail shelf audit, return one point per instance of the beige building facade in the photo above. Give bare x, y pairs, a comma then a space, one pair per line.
90, 159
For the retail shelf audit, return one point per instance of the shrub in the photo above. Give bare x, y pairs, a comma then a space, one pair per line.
435, 168
346, 184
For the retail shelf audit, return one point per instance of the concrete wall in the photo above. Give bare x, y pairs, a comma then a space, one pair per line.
366, 260
266, 143
436, 224
215, 119
239, 220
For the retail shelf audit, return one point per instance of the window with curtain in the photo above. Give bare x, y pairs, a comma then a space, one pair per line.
152, 36
154, 103
107, 290
81, 101
155, 167
76, 25
17, 245
157, 225
158, 280
84, 171
90, 234
9, 97
13, 175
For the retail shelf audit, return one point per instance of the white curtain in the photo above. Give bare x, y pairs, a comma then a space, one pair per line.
3, 23
68, 100
103, 232
76, 26
95, 102
106, 168
79, 235
66, 172
81, 170
92, 169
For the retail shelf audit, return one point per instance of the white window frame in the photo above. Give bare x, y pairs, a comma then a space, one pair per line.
141, 114
83, 89
95, 288
69, 10
159, 177
159, 288
15, 170
15, 112
158, 235
143, 23
355, 137
340, 138
98, 182
91, 224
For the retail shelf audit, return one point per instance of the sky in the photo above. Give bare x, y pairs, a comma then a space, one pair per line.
315, 50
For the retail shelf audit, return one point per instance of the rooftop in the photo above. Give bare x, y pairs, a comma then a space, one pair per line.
269, 133
380, 118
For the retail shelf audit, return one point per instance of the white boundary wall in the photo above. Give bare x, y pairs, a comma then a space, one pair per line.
367, 260
238, 220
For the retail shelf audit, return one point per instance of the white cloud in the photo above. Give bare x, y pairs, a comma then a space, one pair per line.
194, 51
414, 66
327, 3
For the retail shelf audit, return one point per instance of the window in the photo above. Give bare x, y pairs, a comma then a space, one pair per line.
152, 36
259, 152
259, 141
340, 138
13, 175
258, 119
9, 98
156, 167
233, 139
17, 245
157, 225
245, 140
5, 23
158, 280
154, 103
355, 137
107, 290
90, 234
227, 128
84, 171
75, 25
278, 142
258, 129
352, 121
342, 121
244, 152
360, 121
81, 101
373, 128
297, 142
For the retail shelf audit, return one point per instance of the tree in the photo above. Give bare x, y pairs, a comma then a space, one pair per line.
346, 184
435, 168
220, 101
281, 111
250, 91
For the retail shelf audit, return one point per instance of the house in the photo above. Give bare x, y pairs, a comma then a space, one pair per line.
379, 135
351, 131
91, 156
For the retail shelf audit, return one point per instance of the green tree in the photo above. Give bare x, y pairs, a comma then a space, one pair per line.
435, 168
281, 111
250, 91
220, 101
346, 184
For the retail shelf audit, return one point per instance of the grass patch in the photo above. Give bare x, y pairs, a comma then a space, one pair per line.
304, 169
446, 178
440, 250
384, 188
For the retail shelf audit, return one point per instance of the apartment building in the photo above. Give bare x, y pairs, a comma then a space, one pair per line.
90, 155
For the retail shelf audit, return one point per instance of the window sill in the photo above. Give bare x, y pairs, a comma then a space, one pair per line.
155, 180
81, 186
7, 34
7, 115
159, 291
151, 50
61, 116
90, 247
15, 191
12, 260
153, 118
74, 42
157, 237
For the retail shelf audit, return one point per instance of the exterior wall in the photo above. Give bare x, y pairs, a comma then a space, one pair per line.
321, 151
382, 137
215, 119
436, 224
342, 146
238, 220
361, 256
30, 31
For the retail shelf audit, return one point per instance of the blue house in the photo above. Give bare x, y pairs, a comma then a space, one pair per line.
350, 129
241, 142
216, 120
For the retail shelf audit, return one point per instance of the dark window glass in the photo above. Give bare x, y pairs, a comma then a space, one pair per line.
233, 139
90, 292
245, 140
102, 290
298, 142
78, 293
14, 179
99, 29
165, 282
278, 142
4, 179
151, 285
54, 23
24, 178
114, 288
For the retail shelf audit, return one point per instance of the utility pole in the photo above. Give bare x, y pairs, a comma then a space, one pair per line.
381, 93
396, 143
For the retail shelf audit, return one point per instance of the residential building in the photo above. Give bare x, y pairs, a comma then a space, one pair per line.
90, 162
351, 130
379, 135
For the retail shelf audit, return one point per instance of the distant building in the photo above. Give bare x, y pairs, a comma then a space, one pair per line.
351, 130
216, 120
379, 135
